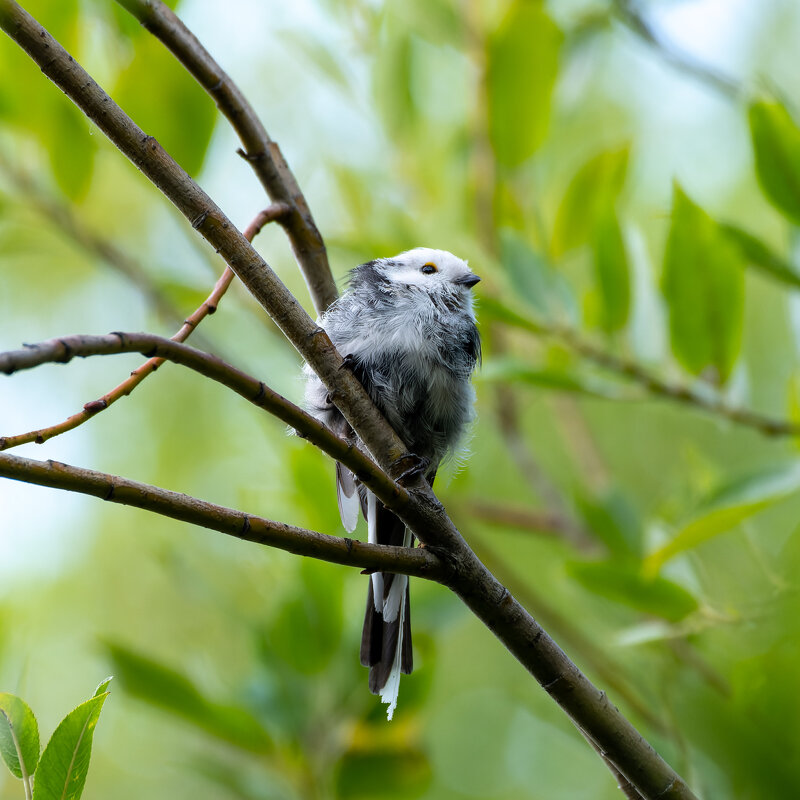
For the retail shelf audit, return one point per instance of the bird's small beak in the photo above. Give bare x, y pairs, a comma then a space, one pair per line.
468, 280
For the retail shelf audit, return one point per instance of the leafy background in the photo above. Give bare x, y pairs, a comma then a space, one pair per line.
606, 197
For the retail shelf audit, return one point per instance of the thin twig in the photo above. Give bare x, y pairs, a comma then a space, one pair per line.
588, 707
64, 217
64, 349
209, 306
545, 522
507, 412
635, 21
261, 152
417, 562
638, 373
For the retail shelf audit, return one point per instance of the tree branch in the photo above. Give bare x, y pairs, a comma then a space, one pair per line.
633, 19
417, 562
597, 659
63, 350
207, 218
638, 373
208, 307
589, 708
65, 219
261, 152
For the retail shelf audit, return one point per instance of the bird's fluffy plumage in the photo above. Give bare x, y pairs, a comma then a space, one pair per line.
407, 327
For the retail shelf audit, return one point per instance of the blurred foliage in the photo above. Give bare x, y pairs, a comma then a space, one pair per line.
604, 198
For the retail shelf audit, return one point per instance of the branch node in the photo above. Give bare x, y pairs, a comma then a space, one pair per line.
198, 221
504, 597
550, 684
39, 439
251, 157
93, 406
245, 526
668, 788
110, 493
348, 543
67, 357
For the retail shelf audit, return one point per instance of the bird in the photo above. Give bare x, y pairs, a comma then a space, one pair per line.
406, 328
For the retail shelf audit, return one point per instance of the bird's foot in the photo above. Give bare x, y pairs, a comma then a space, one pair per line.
411, 466
348, 362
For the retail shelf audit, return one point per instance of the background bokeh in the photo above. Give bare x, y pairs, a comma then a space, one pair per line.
601, 165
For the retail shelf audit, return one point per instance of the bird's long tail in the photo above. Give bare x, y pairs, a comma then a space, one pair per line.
386, 640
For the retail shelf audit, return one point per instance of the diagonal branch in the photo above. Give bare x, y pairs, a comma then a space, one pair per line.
491, 602
104, 249
261, 152
209, 306
209, 220
634, 371
417, 562
637, 23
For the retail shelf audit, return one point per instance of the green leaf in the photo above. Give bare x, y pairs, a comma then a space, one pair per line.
319, 56
623, 582
703, 283
382, 773
613, 520
182, 294
71, 148
437, 21
102, 687
612, 273
776, 145
19, 735
491, 308
65, 761
166, 688
761, 256
727, 507
522, 66
122, 15
529, 273
307, 630
61, 20
590, 196
514, 370
393, 76
531, 277
166, 102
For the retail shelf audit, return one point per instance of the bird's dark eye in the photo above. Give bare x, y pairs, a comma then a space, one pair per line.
428, 269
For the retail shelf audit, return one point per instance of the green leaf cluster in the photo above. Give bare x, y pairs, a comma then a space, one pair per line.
60, 772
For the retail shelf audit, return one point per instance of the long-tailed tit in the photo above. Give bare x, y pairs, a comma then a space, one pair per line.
407, 330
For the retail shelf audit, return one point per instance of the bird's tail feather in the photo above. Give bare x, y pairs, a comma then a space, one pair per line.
386, 639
